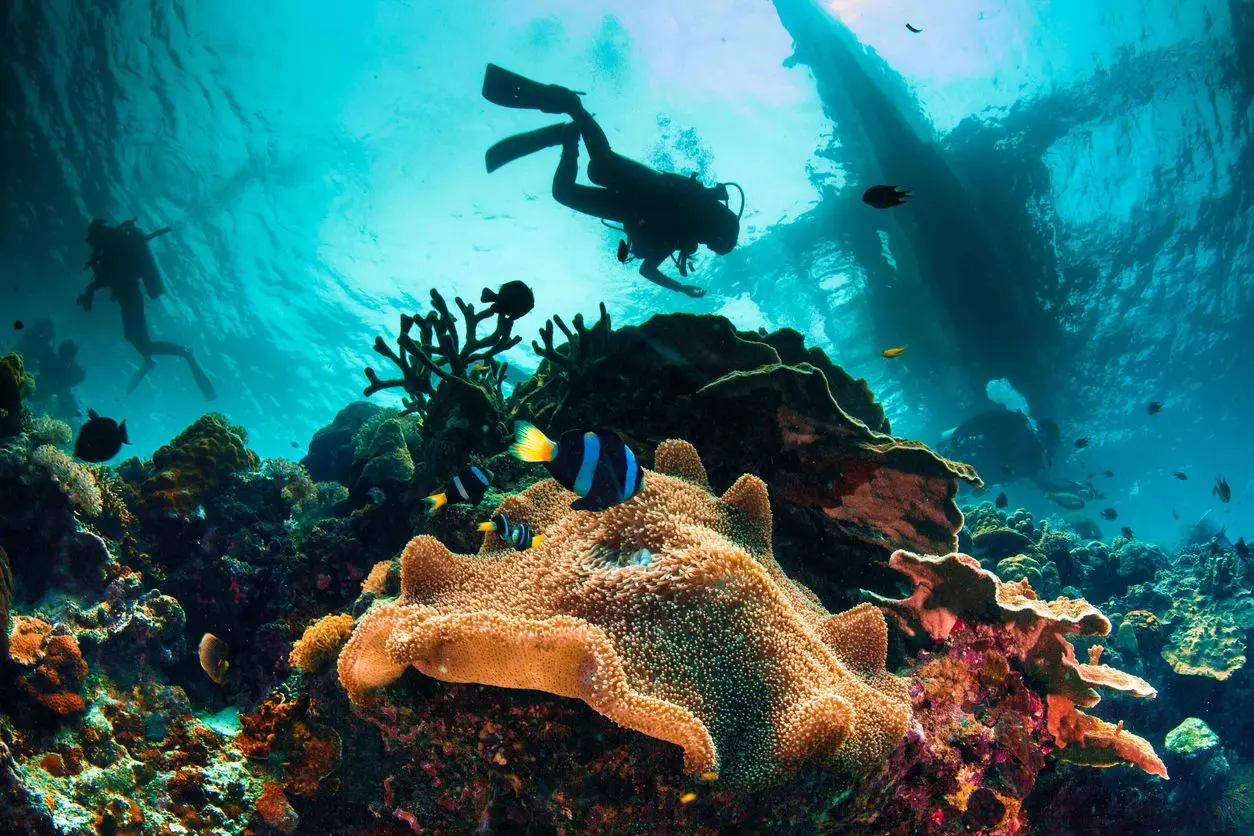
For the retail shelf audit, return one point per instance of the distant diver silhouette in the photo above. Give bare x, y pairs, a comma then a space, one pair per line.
120, 261
664, 215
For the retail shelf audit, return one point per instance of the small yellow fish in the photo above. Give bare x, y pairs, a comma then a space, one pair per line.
893, 352
709, 776
688, 798
213, 659
479, 368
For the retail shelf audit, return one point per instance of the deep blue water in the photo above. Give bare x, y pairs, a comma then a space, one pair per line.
1081, 224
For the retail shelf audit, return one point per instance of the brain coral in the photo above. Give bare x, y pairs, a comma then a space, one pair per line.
668, 614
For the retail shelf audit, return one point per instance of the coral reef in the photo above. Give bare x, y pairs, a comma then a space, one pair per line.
597, 612
50, 665
321, 643
952, 589
196, 464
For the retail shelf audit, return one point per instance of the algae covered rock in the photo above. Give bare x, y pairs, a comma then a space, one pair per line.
331, 450
197, 464
386, 455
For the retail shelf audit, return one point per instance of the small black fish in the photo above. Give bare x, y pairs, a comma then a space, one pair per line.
1175, 515
913, 29
1110, 474
295, 445
598, 466
1081, 443
18, 325
1181, 475
1222, 490
467, 486
1127, 533
519, 535
1109, 514
513, 300
100, 439
624, 252
1002, 500
1241, 548
885, 197
1153, 407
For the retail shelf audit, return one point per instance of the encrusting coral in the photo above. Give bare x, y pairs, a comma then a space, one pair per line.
953, 589
320, 643
196, 464
667, 613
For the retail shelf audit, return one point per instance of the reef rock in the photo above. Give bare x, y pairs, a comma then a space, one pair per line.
331, 450
197, 464
668, 614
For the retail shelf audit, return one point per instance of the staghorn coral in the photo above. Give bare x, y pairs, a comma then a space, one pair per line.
75, 480
441, 356
196, 464
660, 613
953, 589
320, 643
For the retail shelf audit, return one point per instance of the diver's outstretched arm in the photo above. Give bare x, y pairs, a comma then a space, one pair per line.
649, 269
84, 298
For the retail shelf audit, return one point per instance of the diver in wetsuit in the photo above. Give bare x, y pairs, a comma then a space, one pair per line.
120, 261
664, 215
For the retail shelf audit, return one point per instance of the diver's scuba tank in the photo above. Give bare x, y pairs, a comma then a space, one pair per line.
148, 271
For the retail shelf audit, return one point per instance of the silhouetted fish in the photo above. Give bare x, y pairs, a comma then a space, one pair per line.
513, 300
1241, 548
100, 439
885, 197
1109, 514
1108, 473
1175, 515
1153, 407
1222, 489
1002, 500
295, 445
1081, 443
1127, 533
18, 325
1181, 475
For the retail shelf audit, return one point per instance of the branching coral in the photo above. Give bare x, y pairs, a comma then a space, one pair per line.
953, 588
667, 613
196, 464
75, 480
571, 363
320, 643
442, 355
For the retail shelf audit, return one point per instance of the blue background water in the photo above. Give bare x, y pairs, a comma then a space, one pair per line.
1082, 222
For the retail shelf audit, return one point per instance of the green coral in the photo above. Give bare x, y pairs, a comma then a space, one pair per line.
1192, 739
196, 464
48, 430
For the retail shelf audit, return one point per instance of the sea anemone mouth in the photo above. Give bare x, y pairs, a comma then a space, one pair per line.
620, 557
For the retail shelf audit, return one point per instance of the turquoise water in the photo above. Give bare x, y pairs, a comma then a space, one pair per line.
1081, 224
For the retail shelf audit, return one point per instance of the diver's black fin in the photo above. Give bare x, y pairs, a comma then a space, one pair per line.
521, 145
202, 379
509, 89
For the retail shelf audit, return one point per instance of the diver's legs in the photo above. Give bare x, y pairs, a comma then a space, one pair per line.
600, 203
606, 167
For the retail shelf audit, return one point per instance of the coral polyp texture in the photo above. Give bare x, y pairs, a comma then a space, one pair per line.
196, 464
668, 614
952, 589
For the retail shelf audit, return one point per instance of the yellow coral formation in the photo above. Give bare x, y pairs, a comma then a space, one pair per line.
667, 613
322, 640
1208, 645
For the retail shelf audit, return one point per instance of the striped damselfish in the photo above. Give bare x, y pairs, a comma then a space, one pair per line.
468, 486
519, 535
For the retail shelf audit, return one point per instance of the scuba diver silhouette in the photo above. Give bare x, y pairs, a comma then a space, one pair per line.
119, 261
663, 214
